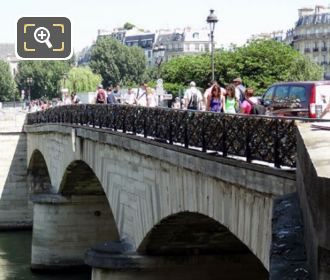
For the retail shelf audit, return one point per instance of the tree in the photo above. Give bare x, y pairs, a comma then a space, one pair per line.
128, 26
259, 63
46, 75
82, 79
117, 63
7, 85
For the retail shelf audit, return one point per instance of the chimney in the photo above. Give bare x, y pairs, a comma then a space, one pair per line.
305, 12
319, 9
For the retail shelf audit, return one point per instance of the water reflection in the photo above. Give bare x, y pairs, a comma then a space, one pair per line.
15, 248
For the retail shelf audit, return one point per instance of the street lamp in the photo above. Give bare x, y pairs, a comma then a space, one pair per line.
29, 81
212, 20
159, 54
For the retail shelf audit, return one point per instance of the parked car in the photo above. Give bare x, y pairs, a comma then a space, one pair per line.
297, 99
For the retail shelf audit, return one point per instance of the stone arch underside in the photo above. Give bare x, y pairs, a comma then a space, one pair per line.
194, 234
38, 178
68, 223
80, 179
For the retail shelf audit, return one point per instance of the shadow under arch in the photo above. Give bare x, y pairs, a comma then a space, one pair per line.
80, 179
70, 222
195, 234
38, 178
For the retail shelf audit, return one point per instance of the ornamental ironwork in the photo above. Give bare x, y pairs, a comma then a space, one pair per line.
249, 137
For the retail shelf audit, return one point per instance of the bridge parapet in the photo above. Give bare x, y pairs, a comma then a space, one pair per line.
251, 138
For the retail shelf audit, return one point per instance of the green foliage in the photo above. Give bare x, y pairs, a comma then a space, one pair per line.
7, 85
46, 75
259, 64
82, 79
128, 26
117, 63
187, 68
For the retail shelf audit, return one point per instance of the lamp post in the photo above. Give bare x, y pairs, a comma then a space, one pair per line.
159, 53
212, 20
29, 81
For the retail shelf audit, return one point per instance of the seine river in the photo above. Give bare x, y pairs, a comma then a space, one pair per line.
15, 249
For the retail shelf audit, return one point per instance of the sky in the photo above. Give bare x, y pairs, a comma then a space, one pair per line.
238, 19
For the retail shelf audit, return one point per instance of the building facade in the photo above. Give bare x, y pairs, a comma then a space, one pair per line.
183, 42
7, 53
311, 36
176, 42
133, 37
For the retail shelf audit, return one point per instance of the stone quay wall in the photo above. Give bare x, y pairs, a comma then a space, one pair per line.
15, 210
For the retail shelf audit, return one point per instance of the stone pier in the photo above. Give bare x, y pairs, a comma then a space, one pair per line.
64, 226
15, 209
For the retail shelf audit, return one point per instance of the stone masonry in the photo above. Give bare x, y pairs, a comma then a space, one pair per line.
15, 210
145, 182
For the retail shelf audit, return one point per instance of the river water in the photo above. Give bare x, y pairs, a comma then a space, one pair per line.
15, 253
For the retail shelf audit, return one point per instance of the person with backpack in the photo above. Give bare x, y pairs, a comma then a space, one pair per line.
193, 97
239, 90
101, 95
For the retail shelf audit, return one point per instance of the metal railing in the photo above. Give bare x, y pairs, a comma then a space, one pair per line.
251, 137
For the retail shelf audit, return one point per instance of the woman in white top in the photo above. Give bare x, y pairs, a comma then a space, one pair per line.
151, 97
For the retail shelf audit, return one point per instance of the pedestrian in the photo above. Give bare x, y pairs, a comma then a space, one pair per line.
229, 101
239, 90
111, 98
214, 99
141, 95
117, 94
193, 97
129, 97
74, 98
151, 97
66, 97
100, 95
326, 112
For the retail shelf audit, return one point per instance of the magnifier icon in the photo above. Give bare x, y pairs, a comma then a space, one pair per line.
41, 35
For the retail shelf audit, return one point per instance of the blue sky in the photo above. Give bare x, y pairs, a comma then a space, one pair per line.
238, 19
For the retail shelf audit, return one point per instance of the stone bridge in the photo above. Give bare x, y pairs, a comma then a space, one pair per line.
146, 209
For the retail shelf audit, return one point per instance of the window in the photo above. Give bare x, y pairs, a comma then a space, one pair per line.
297, 92
196, 35
268, 96
201, 48
191, 47
281, 93
196, 47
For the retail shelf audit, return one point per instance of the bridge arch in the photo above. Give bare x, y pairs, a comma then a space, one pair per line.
194, 234
80, 179
38, 178
76, 218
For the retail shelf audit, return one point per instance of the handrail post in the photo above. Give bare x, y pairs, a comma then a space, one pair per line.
247, 146
276, 146
203, 135
145, 132
224, 138
186, 139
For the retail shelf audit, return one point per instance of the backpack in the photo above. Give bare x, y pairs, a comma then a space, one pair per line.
193, 103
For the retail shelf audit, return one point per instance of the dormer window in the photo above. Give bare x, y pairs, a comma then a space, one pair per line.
196, 35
